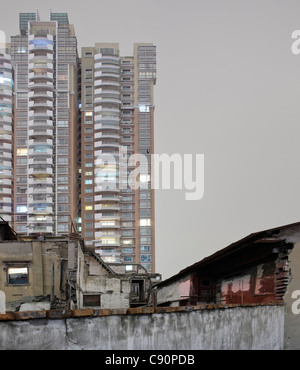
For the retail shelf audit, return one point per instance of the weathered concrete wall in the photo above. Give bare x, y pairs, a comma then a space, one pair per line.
2, 302
194, 328
292, 299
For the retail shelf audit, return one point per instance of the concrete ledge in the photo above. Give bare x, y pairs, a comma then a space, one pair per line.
77, 313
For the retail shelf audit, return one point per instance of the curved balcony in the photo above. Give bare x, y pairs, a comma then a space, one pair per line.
106, 71
37, 227
36, 115
107, 100
37, 142
101, 110
45, 66
106, 135
106, 126
5, 191
40, 76
40, 94
41, 132
99, 207
40, 47
110, 198
99, 243
104, 144
6, 136
41, 210
113, 59
6, 110
106, 82
35, 104
34, 190
7, 181
101, 189
101, 225
107, 93
40, 160
45, 198
40, 171
48, 58
6, 93
45, 85
36, 151
6, 62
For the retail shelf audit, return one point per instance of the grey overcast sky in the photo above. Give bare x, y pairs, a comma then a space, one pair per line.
228, 87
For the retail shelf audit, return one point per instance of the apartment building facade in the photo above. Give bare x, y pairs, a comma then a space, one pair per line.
116, 141
6, 135
45, 60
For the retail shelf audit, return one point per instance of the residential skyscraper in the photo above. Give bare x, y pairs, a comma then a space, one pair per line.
6, 138
116, 127
45, 60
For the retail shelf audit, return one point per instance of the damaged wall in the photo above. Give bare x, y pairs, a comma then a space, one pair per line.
174, 328
44, 261
255, 274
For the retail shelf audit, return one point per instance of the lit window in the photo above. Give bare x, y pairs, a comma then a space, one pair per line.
144, 108
21, 49
88, 114
109, 240
22, 209
88, 208
144, 178
145, 222
22, 152
127, 241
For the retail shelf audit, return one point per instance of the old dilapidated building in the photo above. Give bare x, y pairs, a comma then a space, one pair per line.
253, 270
59, 272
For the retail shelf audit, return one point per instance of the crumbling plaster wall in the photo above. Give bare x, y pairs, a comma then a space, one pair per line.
238, 328
94, 279
39, 256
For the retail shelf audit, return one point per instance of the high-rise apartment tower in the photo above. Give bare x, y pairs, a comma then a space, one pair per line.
6, 135
116, 130
45, 61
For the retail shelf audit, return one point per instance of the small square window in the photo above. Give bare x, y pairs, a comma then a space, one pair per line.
17, 275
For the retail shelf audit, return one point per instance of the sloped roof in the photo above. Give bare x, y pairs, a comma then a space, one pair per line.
282, 234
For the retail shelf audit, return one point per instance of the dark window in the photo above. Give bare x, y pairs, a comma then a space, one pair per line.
91, 300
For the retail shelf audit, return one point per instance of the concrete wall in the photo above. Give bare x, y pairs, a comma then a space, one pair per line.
292, 319
2, 302
170, 328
